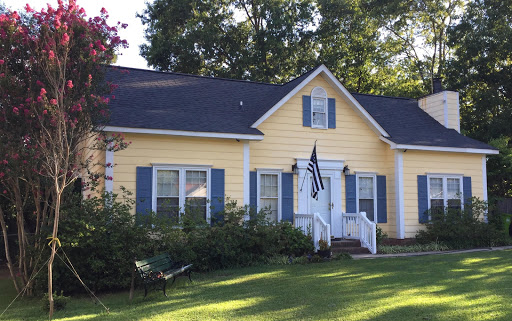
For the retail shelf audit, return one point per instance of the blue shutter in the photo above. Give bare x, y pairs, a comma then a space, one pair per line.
382, 210
287, 197
306, 111
422, 199
143, 192
253, 190
217, 194
466, 190
350, 193
331, 112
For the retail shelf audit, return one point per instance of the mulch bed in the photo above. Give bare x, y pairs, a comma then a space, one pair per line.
390, 241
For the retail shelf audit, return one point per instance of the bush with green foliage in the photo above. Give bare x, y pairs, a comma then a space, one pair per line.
430, 247
380, 235
101, 239
230, 242
464, 229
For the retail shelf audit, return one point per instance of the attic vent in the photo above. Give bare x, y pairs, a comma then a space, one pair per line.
241, 104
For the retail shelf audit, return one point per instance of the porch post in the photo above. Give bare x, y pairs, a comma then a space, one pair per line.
399, 194
246, 173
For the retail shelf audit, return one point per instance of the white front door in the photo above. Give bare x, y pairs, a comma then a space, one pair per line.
328, 204
323, 204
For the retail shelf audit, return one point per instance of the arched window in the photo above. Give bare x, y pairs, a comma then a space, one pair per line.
319, 108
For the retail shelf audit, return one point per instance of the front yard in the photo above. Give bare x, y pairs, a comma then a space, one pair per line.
471, 286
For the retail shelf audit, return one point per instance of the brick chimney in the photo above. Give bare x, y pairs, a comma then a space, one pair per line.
442, 105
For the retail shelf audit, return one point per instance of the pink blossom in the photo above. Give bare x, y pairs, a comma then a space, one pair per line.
51, 54
90, 77
16, 110
102, 48
5, 192
15, 15
81, 11
2, 75
65, 39
69, 84
124, 25
45, 112
5, 162
92, 52
40, 84
39, 99
53, 101
43, 92
2, 61
2, 174
103, 11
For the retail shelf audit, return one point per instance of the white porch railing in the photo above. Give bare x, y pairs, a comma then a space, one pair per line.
358, 226
314, 224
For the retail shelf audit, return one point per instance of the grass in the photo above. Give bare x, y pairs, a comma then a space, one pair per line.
470, 286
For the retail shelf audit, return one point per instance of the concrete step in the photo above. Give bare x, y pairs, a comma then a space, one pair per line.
351, 250
345, 243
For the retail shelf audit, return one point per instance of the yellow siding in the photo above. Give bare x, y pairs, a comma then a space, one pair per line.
421, 163
96, 165
148, 149
352, 141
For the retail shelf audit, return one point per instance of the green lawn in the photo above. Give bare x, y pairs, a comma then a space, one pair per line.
474, 286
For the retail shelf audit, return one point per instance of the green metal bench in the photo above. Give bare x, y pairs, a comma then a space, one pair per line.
157, 270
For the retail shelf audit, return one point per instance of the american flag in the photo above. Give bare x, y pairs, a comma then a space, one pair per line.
316, 183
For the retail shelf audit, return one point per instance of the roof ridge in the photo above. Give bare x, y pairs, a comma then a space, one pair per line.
196, 76
383, 96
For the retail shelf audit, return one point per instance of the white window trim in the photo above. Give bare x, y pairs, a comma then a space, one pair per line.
259, 172
182, 186
374, 177
326, 108
445, 188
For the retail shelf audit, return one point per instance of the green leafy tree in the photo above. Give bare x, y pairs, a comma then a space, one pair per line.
481, 70
263, 40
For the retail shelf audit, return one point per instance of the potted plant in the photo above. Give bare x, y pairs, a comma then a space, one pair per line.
324, 250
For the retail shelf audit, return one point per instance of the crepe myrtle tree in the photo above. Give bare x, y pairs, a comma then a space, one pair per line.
53, 103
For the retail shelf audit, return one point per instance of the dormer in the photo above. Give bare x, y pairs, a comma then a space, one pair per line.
443, 106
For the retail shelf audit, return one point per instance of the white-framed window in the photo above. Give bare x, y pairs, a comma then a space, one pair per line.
445, 191
366, 189
269, 193
174, 188
319, 108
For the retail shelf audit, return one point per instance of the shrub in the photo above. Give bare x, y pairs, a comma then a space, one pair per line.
230, 242
464, 229
59, 301
101, 242
380, 235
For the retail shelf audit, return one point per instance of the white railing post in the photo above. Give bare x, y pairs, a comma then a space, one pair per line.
374, 239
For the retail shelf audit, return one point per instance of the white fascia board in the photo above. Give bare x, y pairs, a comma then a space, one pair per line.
169, 132
334, 82
326, 164
439, 148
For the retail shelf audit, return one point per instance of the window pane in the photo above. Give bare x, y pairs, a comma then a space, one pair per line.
453, 186
167, 183
197, 206
437, 206
319, 105
366, 187
367, 206
168, 207
436, 188
454, 204
270, 204
268, 185
319, 119
196, 184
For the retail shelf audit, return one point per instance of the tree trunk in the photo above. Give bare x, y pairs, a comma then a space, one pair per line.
7, 254
52, 256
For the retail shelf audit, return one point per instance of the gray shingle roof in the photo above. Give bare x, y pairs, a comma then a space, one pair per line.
164, 100
161, 100
408, 124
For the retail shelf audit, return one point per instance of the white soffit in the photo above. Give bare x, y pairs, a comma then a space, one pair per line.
439, 148
181, 133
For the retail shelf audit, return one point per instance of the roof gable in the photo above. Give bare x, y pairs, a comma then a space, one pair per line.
302, 81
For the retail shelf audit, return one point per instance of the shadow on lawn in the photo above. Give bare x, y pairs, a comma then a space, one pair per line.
474, 286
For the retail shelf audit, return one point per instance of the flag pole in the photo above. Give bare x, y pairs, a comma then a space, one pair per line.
306, 171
